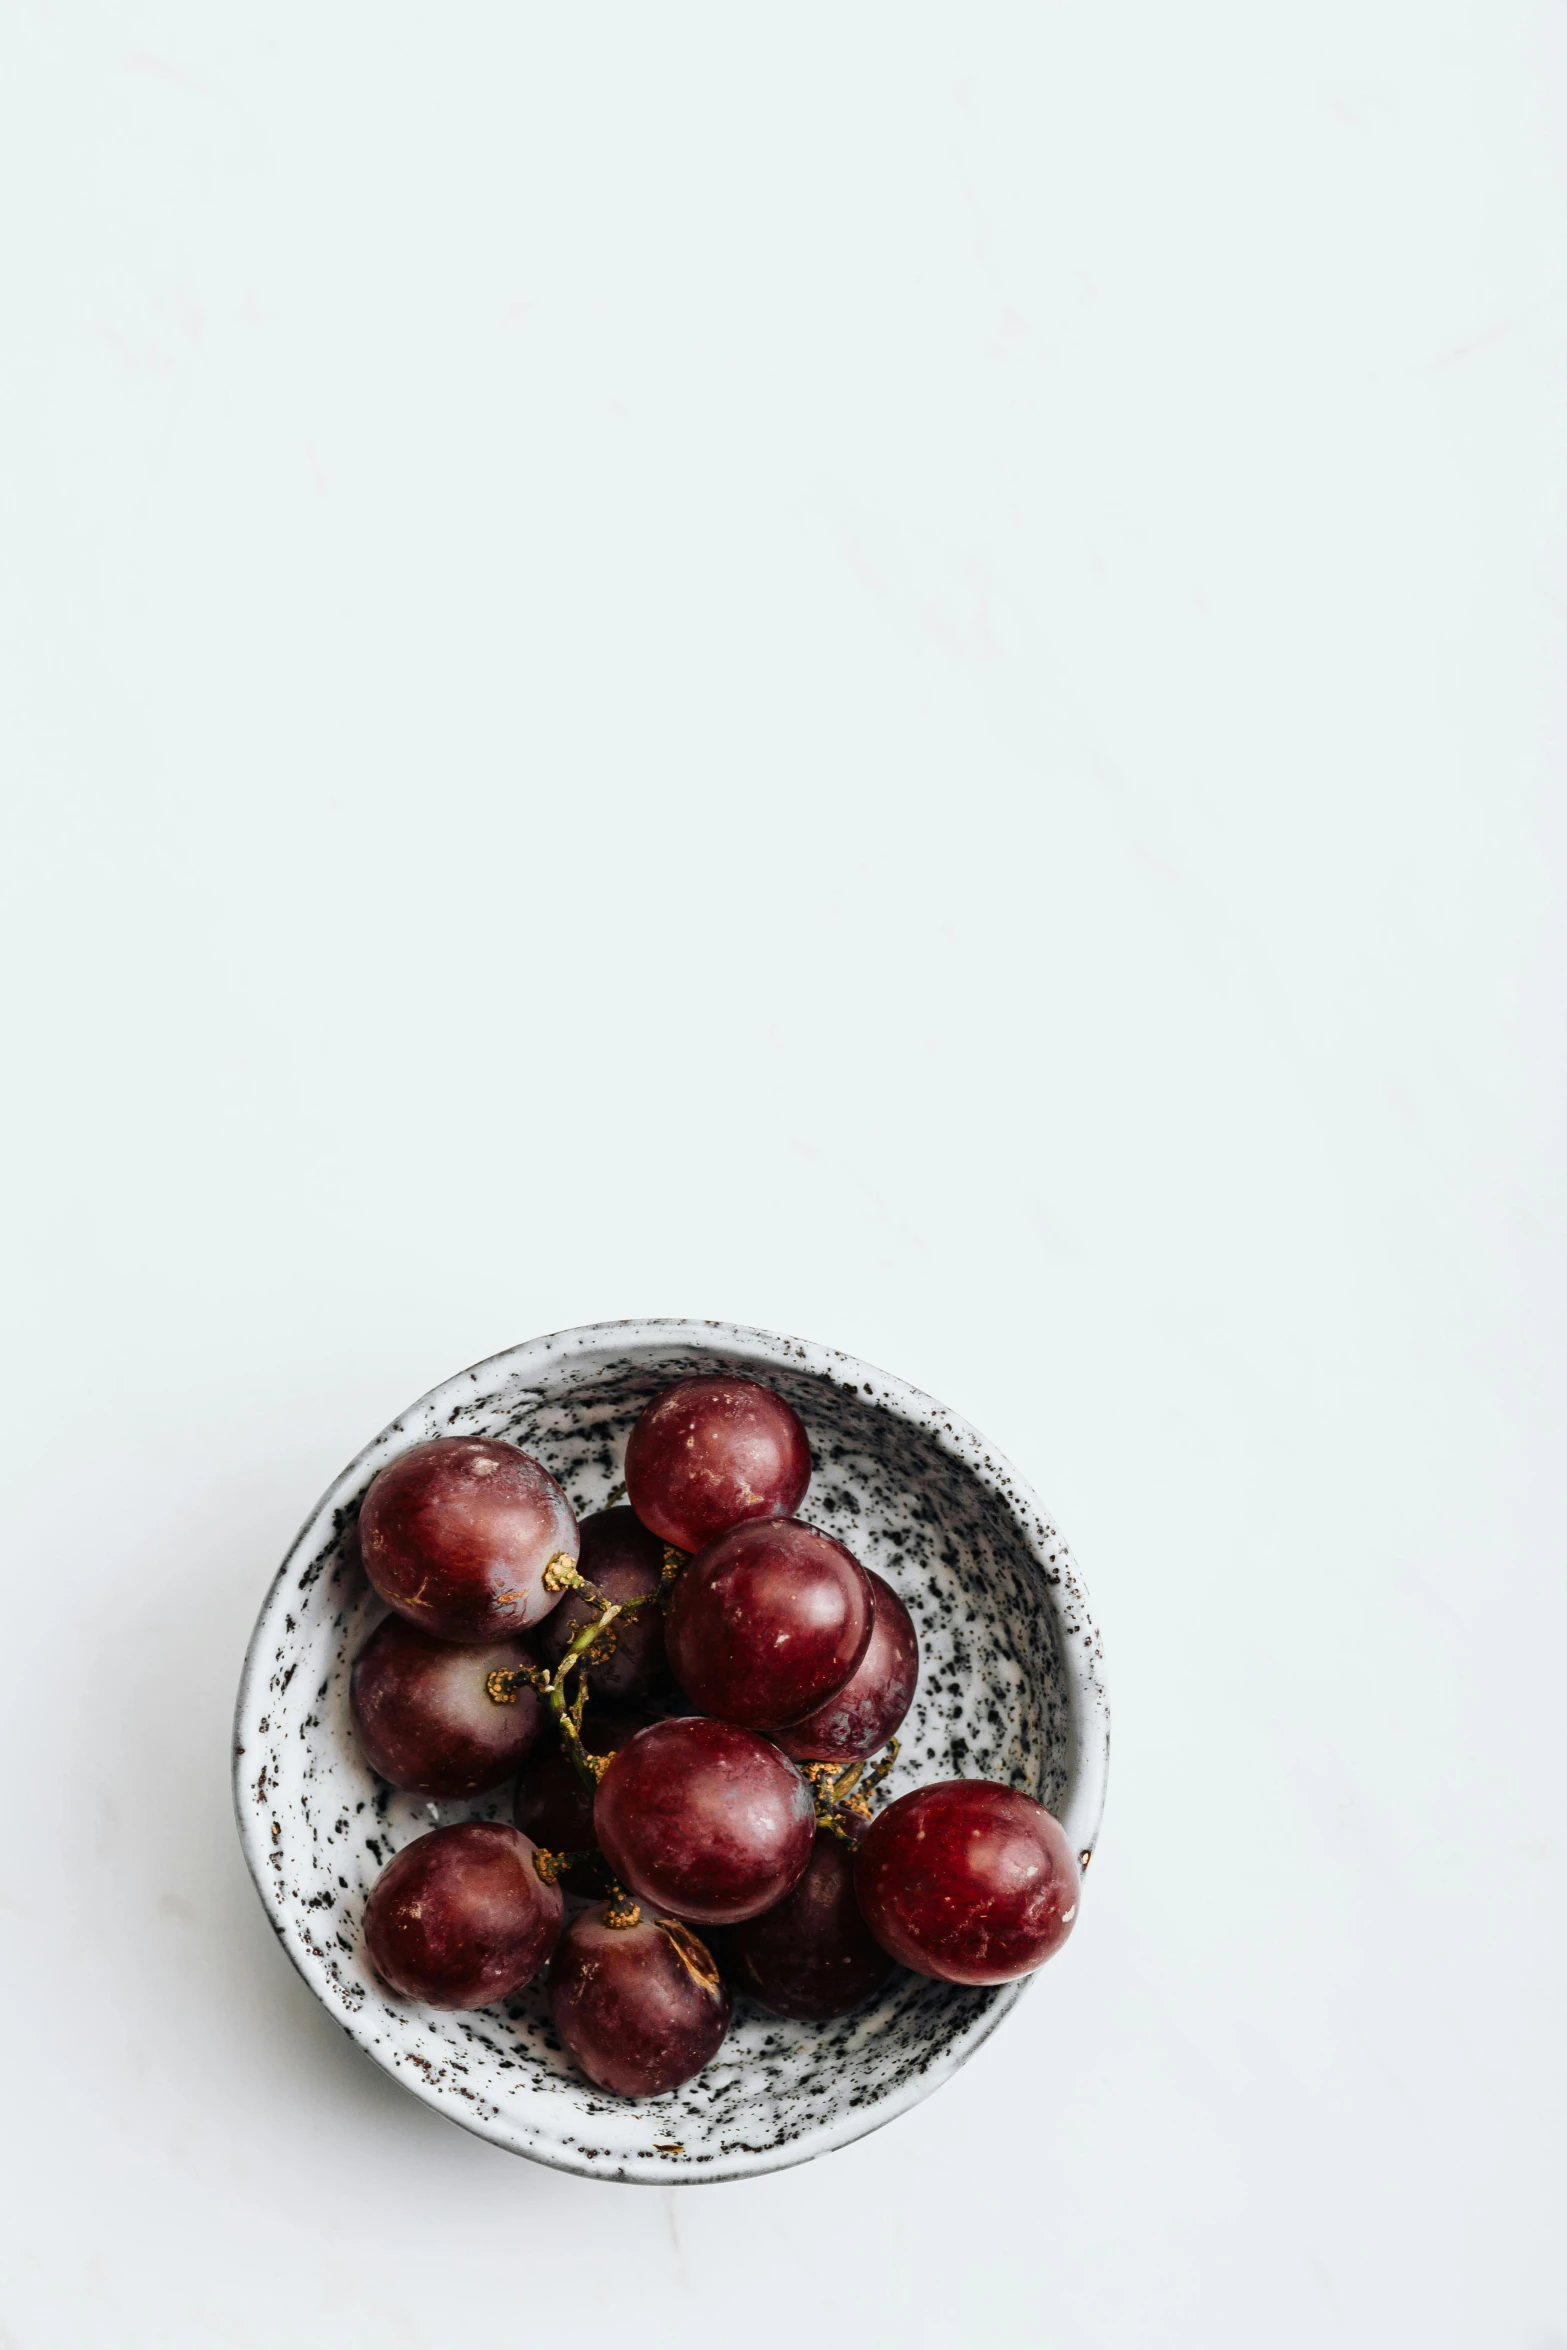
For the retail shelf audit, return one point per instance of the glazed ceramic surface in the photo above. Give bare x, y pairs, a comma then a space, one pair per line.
1010, 1688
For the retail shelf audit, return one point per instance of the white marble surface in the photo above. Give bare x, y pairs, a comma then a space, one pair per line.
908, 660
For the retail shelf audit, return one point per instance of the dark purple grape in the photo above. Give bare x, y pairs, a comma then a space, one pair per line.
704, 1819
813, 1956
553, 1803
461, 1917
868, 1709
968, 1881
457, 1533
426, 1719
624, 1561
707, 1453
640, 2007
768, 1622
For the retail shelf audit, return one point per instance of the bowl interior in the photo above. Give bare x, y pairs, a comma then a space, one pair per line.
1008, 1689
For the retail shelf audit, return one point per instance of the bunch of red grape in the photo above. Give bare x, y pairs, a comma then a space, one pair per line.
734, 1839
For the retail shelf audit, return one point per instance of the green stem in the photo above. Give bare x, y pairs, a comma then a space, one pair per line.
568, 1719
568, 1713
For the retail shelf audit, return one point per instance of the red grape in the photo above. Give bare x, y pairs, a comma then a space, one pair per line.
704, 1819
624, 1561
968, 1881
639, 2007
768, 1622
425, 1718
813, 1956
553, 1803
457, 1534
868, 1709
461, 1916
707, 1453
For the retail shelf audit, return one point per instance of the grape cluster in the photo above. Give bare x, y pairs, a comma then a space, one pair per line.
689, 1690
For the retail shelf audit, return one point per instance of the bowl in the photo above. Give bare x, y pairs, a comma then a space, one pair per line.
1010, 1688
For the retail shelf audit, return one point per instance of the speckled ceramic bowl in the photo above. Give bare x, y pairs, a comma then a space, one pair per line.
1010, 1688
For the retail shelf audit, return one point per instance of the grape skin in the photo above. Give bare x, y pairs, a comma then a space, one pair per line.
639, 2008
869, 1709
705, 1820
707, 1453
813, 1956
968, 1881
424, 1715
456, 1535
461, 1917
769, 1622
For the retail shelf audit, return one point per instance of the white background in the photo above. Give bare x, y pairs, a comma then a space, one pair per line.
890, 671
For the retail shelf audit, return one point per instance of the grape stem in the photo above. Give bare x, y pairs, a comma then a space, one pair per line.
503, 1684
550, 1867
846, 1787
674, 1560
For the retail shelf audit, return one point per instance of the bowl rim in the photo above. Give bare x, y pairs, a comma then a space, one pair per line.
1078, 1643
